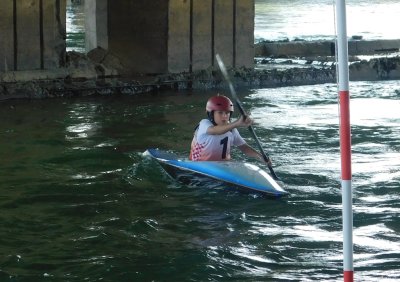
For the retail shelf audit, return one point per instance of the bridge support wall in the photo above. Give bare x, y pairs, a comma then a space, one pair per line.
161, 36
157, 36
32, 34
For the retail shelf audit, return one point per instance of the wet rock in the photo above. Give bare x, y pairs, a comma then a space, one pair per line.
79, 66
376, 69
386, 68
107, 64
25, 90
357, 37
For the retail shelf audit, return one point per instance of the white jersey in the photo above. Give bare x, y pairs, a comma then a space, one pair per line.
207, 147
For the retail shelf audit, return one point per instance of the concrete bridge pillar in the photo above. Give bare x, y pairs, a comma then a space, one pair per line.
161, 36
157, 36
32, 34
96, 24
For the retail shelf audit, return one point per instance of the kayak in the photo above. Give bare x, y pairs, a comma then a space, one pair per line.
232, 174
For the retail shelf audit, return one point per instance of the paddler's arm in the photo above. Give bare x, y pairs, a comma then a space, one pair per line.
223, 128
251, 152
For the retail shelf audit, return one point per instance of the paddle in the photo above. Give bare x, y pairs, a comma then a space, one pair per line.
243, 113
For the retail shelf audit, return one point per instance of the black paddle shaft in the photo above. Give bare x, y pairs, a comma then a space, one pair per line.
243, 113
253, 133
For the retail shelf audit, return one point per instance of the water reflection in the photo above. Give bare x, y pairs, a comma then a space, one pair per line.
82, 121
75, 25
315, 20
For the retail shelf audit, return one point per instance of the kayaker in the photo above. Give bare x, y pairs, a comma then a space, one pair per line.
214, 137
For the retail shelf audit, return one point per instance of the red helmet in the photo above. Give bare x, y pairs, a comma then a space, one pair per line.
219, 103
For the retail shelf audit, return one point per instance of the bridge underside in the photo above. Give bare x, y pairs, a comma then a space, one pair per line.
157, 36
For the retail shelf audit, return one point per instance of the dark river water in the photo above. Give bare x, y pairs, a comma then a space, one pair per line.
80, 202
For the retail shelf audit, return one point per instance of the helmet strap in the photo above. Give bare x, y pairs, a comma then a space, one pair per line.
210, 116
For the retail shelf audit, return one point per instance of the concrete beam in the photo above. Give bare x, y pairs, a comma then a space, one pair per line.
96, 24
32, 34
325, 48
179, 52
244, 38
28, 35
202, 41
224, 30
54, 34
138, 33
7, 36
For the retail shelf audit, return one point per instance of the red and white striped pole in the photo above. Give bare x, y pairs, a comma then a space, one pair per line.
345, 139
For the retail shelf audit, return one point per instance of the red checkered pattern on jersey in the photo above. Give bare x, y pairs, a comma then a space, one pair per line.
196, 152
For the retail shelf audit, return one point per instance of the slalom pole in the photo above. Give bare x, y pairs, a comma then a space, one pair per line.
345, 140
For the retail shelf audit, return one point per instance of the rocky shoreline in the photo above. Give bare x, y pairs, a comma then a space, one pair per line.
98, 73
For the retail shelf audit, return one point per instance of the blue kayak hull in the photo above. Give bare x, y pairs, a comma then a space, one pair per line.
244, 176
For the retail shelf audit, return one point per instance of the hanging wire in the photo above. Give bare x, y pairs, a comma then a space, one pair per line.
336, 58
336, 43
